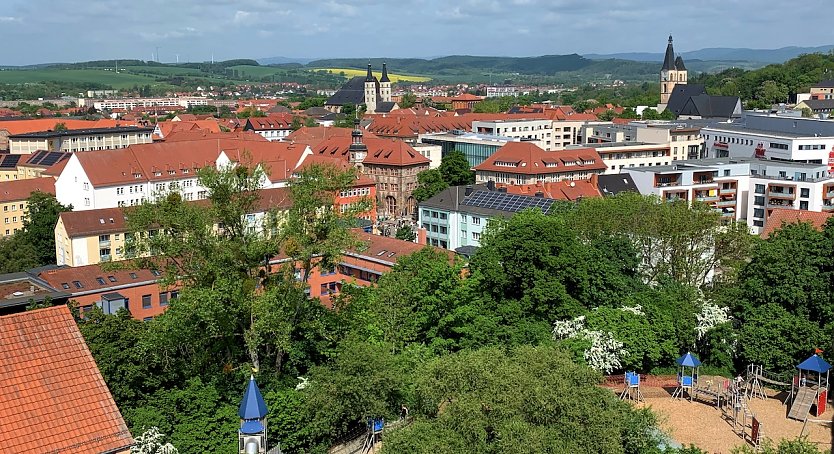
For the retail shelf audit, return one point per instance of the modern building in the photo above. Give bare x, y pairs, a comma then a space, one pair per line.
772, 137
17, 127
536, 131
50, 378
73, 140
617, 156
457, 216
525, 163
476, 147
374, 93
132, 103
744, 189
14, 196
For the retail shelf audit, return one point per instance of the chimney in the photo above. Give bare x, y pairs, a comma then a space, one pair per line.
491, 185
421, 236
468, 190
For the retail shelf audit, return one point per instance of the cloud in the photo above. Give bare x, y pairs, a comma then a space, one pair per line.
241, 17
10, 19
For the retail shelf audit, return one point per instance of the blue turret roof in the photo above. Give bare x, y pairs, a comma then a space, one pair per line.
814, 364
688, 360
252, 406
251, 427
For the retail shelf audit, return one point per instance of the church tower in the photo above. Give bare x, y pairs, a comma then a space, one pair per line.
673, 73
371, 88
385, 85
357, 150
252, 412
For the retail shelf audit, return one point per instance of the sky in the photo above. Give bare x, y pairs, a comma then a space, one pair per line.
45, 31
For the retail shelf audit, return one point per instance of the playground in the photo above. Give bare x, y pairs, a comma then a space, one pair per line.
718, 414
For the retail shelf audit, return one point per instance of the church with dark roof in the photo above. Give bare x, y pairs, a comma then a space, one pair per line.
374, 93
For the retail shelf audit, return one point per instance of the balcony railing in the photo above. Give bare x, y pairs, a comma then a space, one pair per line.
828, 208
725, 203
727, 191
706, 198
829, 194
782, 195
105, 243
776, 204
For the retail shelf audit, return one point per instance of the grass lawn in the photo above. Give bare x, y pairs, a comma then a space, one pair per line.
358, 72
98, 76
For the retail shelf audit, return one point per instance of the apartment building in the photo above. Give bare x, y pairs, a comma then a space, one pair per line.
684, 139
617, 156
525, 163
125, 177
74, 140
772, 137
536, 131
14, 197
132, 103
744, 189
272, 127
17, 127
476, 147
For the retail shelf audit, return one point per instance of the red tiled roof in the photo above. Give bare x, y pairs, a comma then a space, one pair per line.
46, 124
14, 190
202, 134
467, 97
374, 245
270, 122
560, 190
313, 136
782, 216
380, 151
94, 222
529, 159
167, 127
52, 396
61, 278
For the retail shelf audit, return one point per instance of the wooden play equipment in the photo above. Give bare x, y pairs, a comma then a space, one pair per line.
809, 388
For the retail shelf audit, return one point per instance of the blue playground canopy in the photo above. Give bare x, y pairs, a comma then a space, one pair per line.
688, 360
251, 427
814, 364
252, 406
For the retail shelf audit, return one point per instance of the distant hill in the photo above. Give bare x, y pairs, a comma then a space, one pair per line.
455, 64
734, 54
283, 60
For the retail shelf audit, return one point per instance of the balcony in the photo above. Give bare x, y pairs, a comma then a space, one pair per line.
829, 194
781, 194
725, 203
828, 208
779, 204
706, 198
727, 191
728, 214
105, 257
105, 243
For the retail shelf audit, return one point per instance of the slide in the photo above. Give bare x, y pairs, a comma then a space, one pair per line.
802, 403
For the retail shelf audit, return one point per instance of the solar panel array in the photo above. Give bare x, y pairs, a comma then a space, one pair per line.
502, 201
46, 158
9, 161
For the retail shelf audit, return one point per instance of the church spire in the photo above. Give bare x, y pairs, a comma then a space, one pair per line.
669, 59
252, 412
370, 76
384, 74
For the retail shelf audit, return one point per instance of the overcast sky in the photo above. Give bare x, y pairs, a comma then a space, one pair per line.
39, 31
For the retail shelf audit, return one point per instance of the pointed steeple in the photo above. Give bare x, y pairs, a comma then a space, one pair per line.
384, 73
252, 406
370, 76
669, 59
679, 64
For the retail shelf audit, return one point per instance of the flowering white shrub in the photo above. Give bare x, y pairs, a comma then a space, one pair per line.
604, 353
711, 316
302, 383
150, 442
636, 310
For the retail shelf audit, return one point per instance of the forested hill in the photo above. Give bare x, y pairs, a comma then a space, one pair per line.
773, 83
546, 64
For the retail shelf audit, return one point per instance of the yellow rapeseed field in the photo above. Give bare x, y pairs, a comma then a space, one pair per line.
358, 72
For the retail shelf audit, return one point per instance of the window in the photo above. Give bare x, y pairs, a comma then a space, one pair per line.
77, 284
104, 253
476, 221
758, 223
803, 204
175, 294
111, 278
86, 201
726, 172
758, 212
805, 193
163, 299
133, 276
146, 301
476, 236
760, 189
759, 200
65, 286
100, 281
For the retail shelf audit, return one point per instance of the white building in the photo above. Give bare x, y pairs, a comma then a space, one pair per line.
684, 140
72, 140
772, 137
539, 132
497, 92
743, 189
618, 156
131, 103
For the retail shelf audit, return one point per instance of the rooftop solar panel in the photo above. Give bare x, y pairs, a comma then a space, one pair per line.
9, 161
503, 201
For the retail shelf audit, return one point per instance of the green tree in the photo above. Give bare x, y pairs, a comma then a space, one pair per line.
60, 126
42, 212
771, 92
17, 255
530, 399
456, 170
296, 123
405, 233
429, 183
407, 100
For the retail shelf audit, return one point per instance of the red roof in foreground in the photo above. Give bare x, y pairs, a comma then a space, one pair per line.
52, 396
558, 190
782, 216
14, 190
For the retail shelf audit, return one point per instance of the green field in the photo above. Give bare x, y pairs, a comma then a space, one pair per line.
80, 76
166, 71
257, 71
